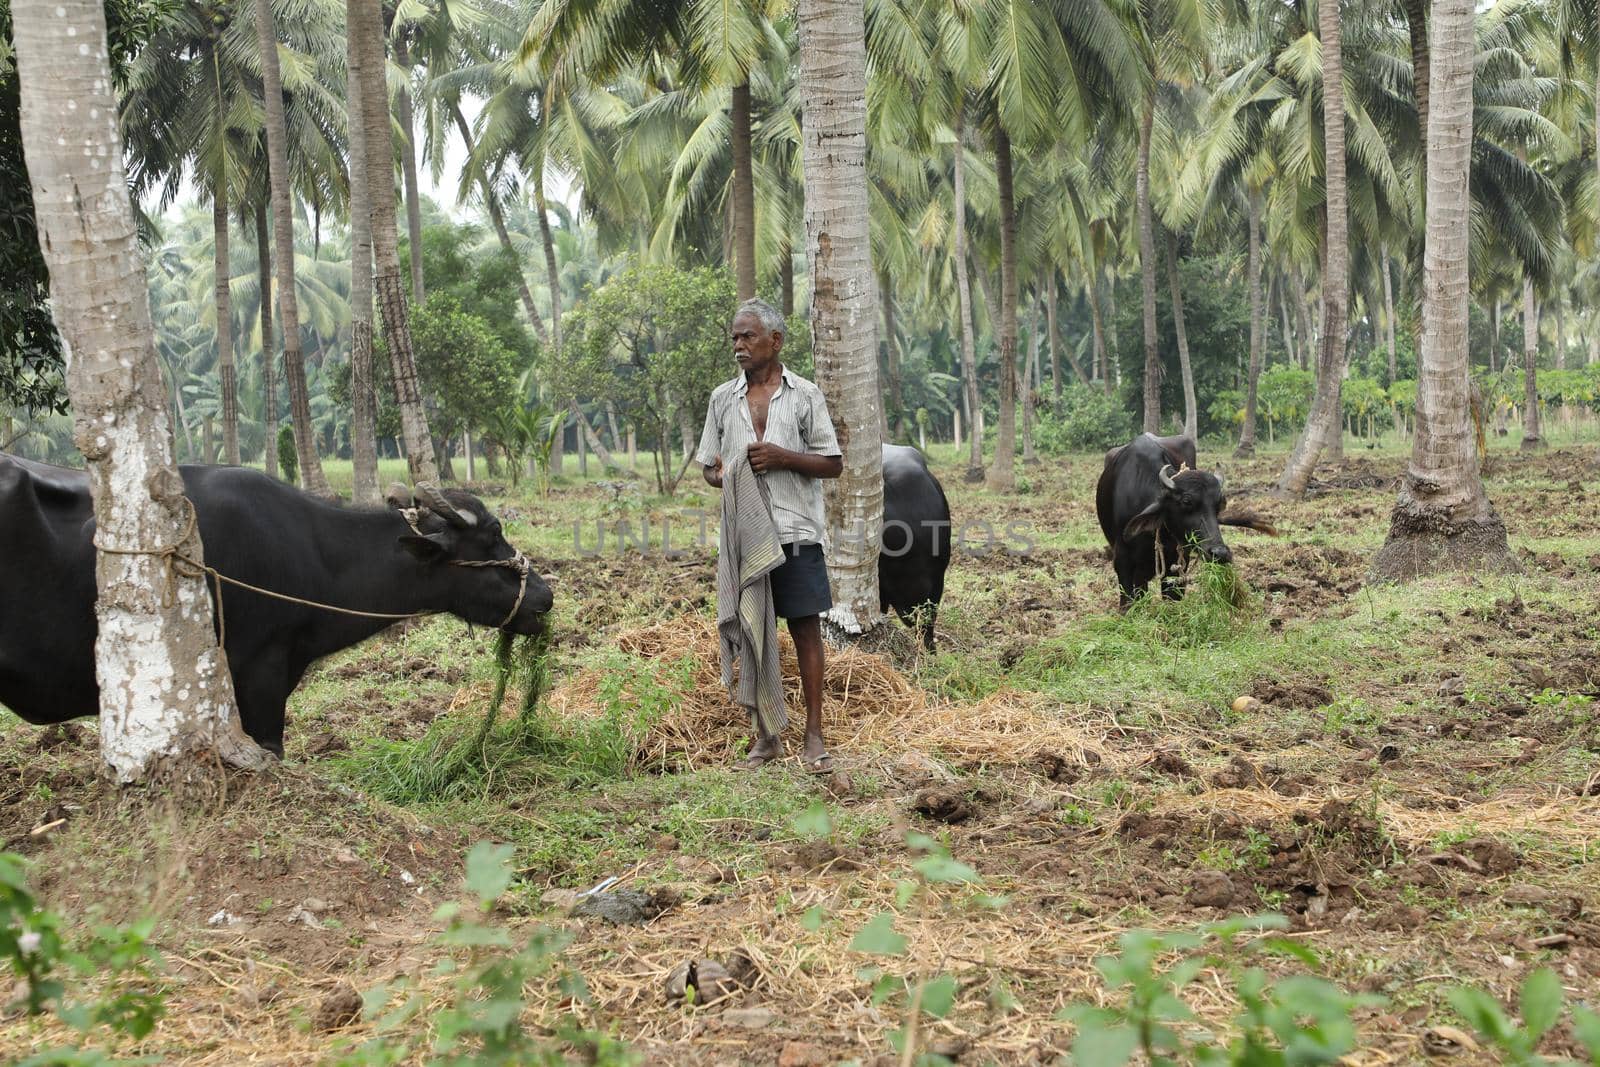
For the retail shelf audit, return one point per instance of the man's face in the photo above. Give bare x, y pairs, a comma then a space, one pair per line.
754, 346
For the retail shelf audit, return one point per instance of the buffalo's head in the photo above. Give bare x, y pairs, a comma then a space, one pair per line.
473, 572
1189, 507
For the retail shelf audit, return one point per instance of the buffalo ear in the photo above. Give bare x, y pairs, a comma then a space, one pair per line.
1249, 521
399, 496
425, 547
1145, 522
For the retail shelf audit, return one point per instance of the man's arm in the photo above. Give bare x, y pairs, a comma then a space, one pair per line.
765, 456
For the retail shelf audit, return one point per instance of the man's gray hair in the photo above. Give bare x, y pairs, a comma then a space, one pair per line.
771, 318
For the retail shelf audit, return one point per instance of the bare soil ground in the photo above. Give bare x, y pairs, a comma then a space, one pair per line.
1416, 789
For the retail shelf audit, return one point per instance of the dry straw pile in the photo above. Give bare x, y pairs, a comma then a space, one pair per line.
868, 707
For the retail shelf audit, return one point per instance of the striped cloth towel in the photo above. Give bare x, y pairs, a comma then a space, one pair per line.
748, 551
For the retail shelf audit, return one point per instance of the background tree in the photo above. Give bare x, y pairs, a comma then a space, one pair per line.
1442, 519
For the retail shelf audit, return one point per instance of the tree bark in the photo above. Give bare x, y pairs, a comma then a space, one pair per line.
969, 361
1191, 419
226, 368
744, 195
1247, 434
1147, 272
1442, 520
552, 269
1002, 475
1323, 425
1417, 27
1030, 385
1532, 439
1388, 316
388, 283
166, 696
833, 93
1288, 327
1561, 329
363, 402
408, 168
269, 351
1055, 339
786, 280
896, 412
294, 369
1494, 339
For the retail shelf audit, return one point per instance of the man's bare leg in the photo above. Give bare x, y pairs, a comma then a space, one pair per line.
807, 635
764, 751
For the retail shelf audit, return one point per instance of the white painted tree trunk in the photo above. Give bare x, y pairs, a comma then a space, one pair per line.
1532, 438
833, 93
165, 691
1442, 519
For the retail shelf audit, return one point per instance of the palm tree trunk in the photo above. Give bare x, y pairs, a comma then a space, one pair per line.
363, 403
1561, 329
166, 696
1417, 26
786, 279
269, 352
226, 368
1494, 346
1055, 339
388, 283
1323, 426
833, 90
1531, 438
1191, 419
969, 361
1442, 520
1102, 356
294, 369
1288, 327
1388, 315
552, 269
1002, 473
744, 195
1147, 272
408, 168
1247, 435
892, 351
1030, 385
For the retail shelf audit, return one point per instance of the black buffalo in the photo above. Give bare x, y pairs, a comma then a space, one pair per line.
1150, 490
270, 535
916, 540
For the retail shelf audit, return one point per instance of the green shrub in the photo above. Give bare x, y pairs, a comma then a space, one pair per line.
1085, 420
288, 458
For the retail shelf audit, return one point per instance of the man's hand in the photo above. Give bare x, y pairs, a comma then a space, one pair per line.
714, 475
766, 456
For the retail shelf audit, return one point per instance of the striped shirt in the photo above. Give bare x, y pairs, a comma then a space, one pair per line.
748, 552
797, 419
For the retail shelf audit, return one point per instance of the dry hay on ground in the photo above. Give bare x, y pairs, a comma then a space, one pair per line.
868, 707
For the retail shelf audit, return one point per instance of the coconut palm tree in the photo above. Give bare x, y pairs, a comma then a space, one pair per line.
166, 695
1442, 519
294, 371
365, 24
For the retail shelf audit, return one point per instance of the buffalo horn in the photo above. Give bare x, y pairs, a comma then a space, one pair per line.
1166, 476
434, 501
1219, 480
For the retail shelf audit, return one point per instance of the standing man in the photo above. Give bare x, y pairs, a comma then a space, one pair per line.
781, 422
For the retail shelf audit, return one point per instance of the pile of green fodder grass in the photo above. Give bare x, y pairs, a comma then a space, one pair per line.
1216, 603
457, 758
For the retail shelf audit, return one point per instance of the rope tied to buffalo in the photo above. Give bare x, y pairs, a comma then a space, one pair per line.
178, 565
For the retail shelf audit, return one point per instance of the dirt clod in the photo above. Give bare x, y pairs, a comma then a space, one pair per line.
947, 804
1211, 889
1495, 857
339, 1008
1170, 761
